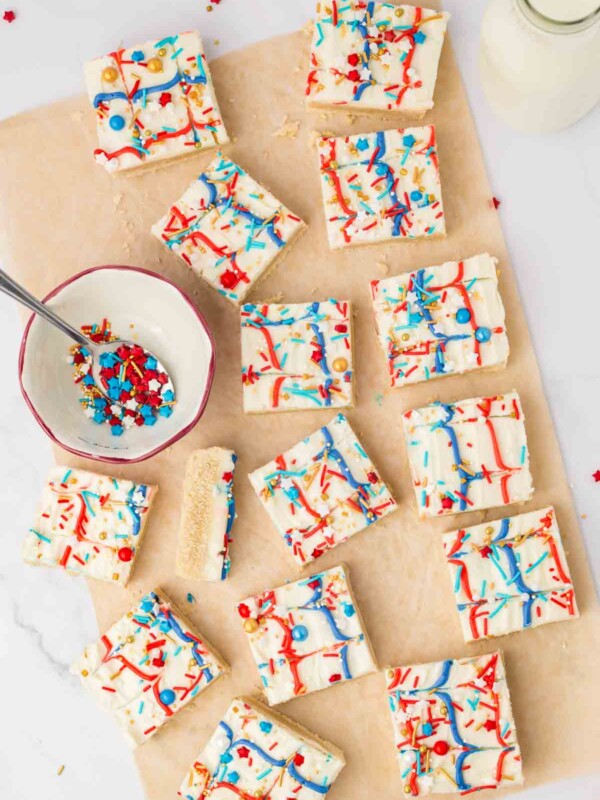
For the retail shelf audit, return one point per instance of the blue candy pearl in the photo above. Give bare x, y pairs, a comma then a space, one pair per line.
463, 315
164, 625
427, 729
483, 334
416, 195
299, 633
167, 697
116, 122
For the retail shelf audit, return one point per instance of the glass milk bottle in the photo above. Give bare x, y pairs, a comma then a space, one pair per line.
540, 61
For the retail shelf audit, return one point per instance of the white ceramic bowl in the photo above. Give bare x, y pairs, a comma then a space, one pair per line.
164, 321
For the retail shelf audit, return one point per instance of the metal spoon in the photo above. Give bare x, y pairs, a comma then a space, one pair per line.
13, 289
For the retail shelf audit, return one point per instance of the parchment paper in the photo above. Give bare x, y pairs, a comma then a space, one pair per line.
60, 213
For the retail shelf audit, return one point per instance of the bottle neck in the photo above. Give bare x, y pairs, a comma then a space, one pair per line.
530, 9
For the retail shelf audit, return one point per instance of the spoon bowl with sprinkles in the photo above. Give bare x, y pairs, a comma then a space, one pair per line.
122, 383
85, 404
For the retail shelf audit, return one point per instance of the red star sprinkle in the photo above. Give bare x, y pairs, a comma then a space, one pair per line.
596, 476
243, 752
489, 725
165, 99
485, 552
9, 16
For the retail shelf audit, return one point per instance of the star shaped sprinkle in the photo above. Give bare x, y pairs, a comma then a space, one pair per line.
596, 476
9, 16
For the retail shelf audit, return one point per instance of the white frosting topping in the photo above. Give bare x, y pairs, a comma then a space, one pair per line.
297, 356
153, 101
306, 635
146, 667
468, 455
251, 754
375, 56
382, 186
88, 524
322, 491
441, 320
227, 228
510, 574
453, 725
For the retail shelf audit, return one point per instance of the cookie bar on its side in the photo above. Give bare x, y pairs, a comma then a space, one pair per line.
207, 515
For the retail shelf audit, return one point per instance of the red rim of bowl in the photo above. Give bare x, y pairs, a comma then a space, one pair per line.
180, 434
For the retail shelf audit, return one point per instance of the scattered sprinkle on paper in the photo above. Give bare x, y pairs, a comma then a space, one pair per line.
61, 769
190, 598
495, 202
314, 136
9, 16
288, 130
596, 476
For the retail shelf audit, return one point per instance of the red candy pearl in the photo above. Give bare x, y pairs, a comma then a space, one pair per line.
441, 748
243, 611
447, 502
125, 554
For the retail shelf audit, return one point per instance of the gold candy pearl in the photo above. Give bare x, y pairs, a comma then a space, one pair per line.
399, 12
251, 625
407, 789
405, 337
109, 74
162, 52
423, 749
340, 364
155, 65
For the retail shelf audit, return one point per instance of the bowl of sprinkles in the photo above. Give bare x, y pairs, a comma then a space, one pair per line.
153, 375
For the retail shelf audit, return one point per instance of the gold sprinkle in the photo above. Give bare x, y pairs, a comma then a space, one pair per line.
155, 65
61, 769
109, 74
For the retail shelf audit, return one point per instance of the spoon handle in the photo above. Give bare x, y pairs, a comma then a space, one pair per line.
13, 289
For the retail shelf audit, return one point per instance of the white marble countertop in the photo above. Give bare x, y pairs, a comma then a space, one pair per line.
550, 211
